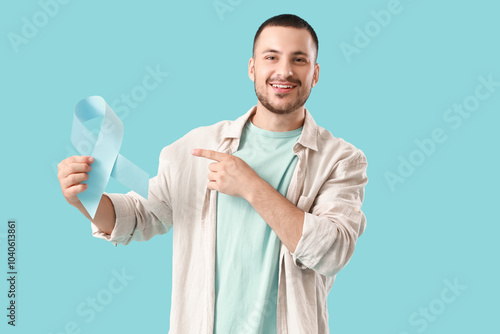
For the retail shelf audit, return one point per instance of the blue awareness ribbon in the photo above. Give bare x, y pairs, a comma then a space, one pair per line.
107, 159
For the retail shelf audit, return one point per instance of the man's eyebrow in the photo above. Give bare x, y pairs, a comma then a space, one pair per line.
271, 51
296, 53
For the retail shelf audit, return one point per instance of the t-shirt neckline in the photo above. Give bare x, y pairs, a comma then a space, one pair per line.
274, 134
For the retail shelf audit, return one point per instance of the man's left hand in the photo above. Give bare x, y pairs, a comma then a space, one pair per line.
229, 174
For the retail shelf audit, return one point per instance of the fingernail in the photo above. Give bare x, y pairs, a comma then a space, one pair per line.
194, 151
91, 159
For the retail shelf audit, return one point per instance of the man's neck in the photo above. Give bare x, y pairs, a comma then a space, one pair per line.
267, 120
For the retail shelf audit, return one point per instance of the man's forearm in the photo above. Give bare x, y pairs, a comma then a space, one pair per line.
279, 213
234, 177
105, 215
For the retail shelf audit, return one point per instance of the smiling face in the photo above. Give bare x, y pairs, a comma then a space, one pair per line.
283, 68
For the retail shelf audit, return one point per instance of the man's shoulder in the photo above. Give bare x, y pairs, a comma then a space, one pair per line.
338, 147
208, 134
212, 130
207, 137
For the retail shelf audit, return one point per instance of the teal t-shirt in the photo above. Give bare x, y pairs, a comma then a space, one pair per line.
247, 249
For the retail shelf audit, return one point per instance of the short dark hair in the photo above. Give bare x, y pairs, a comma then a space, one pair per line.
287, 20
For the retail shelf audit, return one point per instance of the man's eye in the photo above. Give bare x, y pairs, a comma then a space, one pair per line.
301, 60
270, 57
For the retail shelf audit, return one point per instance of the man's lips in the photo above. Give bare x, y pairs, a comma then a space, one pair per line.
282, 87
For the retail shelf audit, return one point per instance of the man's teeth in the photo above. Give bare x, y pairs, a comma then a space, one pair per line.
282, 86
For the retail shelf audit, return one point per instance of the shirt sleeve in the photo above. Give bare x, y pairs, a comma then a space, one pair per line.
138, 218
335, 221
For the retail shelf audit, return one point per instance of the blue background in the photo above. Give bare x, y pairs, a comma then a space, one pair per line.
437, 225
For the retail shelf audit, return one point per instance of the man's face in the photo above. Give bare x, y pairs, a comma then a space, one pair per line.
283, 68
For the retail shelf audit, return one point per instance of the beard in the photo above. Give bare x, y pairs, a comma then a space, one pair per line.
263, 96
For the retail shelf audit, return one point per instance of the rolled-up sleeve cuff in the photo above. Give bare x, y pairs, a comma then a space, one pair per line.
315, 240
297, 261
125, 220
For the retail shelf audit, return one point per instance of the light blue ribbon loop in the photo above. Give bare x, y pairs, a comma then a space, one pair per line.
107, 159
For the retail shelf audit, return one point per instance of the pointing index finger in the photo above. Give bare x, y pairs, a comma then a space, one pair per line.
209, 154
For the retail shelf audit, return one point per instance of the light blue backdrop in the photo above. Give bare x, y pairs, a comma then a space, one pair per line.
392, 86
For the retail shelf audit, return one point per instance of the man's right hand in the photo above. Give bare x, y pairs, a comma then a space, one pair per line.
72, 172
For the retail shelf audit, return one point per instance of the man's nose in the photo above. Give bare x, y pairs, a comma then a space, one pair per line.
285, 69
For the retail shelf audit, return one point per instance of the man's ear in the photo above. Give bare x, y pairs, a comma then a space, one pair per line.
315, 75
251, 69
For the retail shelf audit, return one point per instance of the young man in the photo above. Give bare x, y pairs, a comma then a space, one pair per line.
266, 209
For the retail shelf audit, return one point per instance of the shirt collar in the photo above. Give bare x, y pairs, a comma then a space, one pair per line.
308, 137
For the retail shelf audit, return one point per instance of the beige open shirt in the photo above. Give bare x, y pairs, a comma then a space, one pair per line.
328, 184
